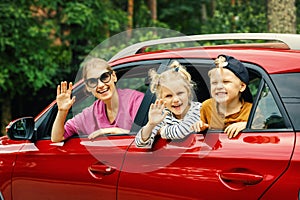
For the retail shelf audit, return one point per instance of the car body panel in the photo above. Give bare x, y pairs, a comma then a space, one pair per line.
268, 58
69, 169
8, 154
206, 167
290, 179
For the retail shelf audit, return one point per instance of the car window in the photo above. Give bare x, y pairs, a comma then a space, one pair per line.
130, 76
288, 88
198, 72
267, 114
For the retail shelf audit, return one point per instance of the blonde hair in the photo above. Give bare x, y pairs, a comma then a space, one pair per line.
176, 72
220, 62
93, 63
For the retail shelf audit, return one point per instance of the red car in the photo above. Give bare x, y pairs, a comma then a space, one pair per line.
263, 162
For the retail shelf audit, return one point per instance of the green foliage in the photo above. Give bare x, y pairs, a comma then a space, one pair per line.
202, 17
181, 16
42, 42
242, 17
25, 48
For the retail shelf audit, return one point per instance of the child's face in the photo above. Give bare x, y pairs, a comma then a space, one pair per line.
225, 86
176, 98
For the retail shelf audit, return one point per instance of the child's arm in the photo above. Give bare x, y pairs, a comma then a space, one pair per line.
145, 136
182, 128
199, 126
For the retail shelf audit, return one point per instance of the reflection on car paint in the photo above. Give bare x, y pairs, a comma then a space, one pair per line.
107, 143
13, 148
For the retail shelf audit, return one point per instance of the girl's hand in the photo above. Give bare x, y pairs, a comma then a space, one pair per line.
199, 126
156, 112
63, 97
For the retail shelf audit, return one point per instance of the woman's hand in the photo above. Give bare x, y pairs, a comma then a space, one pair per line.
63, 97
113, 130
156, 112
199, 126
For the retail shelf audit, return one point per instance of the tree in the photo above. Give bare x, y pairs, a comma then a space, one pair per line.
282, 16
130, 16
152, 4
43, 42
237, 16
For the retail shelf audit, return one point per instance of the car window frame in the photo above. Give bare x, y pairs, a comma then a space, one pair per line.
44, 124
265, 79
43, 127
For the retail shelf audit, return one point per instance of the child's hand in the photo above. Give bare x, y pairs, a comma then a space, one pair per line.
234, 129
156, 112
199, 126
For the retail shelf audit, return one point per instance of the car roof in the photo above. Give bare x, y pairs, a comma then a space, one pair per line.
279, 57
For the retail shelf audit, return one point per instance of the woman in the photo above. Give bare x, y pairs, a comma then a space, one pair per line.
113, 112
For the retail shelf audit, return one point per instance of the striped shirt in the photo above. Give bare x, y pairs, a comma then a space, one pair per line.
172, 128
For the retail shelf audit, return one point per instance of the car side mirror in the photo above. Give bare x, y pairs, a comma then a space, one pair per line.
21, 129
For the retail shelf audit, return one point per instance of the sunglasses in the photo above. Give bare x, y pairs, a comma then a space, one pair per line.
104, 78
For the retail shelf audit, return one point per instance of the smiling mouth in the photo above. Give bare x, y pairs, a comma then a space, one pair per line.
177, 106
221, 93
102, 91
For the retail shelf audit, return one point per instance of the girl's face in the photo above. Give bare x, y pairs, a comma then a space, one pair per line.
225, 86
176, 98
104, 89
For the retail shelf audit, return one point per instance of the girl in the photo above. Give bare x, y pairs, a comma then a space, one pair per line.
113, 112
173, 112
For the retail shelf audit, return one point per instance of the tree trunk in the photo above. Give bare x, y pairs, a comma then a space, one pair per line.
203, 12
130, 17
153, 8
213, 7
282, 16
5, 115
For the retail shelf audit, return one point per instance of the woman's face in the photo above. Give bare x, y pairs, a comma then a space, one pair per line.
102, 90
225, 86
176, 97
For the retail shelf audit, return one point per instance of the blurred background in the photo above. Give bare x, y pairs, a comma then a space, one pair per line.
43, 42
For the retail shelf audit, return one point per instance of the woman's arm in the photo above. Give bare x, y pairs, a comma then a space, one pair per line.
64, 103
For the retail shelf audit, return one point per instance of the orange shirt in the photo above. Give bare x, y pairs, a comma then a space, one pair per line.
210, 115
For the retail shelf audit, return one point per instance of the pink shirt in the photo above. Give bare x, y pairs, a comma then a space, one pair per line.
94, 117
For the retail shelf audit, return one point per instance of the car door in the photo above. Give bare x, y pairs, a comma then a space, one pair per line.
77, 168
211, 166
287, 85
8, 153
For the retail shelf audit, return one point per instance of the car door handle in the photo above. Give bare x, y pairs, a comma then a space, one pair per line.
101, 169
246, 178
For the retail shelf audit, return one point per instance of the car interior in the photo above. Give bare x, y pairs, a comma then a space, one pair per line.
135, 76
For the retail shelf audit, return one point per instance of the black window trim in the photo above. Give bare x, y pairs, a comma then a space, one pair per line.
267, 80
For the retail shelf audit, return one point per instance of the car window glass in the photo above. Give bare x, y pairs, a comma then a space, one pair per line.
267, 114
254, 82
198, 73
288, 88
135, 79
